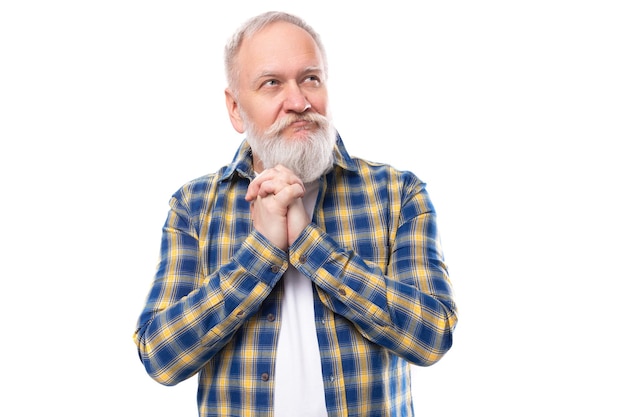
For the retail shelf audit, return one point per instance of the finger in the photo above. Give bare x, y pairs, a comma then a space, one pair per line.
279, 185
271, 181
288, 194
253, 189
257, 183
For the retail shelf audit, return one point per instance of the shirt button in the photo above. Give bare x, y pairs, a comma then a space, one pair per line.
302, 259
275, 268
265, 376
342, 291
270, 317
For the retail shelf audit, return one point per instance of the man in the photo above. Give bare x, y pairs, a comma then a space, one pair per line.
297, 280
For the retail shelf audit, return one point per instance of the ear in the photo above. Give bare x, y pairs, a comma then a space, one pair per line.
233, 111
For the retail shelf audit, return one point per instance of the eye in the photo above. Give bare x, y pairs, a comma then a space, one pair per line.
312, 79
270, 83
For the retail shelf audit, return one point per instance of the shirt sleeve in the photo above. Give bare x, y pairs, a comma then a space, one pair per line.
409, 308
189, 317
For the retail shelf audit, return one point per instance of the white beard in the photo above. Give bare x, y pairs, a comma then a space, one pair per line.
308, 157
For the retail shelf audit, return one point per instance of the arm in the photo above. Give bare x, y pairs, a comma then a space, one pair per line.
189, 317
408, 308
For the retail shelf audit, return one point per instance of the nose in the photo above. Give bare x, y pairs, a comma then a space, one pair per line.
295, 100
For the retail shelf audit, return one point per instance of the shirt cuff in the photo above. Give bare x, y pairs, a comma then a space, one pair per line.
261, 259
311, 250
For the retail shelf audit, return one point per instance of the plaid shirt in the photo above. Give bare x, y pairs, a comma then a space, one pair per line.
382, 296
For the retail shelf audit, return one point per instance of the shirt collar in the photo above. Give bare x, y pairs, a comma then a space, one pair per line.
242, 161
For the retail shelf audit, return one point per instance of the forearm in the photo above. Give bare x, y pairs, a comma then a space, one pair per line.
177, 337
395, 310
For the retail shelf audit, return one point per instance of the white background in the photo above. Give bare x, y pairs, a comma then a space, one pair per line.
513, 112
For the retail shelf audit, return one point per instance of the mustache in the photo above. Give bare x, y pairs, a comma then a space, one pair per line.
283, 123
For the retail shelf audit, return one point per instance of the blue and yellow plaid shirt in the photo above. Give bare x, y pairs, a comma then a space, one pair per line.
382, 295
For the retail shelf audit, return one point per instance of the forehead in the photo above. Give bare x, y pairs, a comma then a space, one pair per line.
277, 46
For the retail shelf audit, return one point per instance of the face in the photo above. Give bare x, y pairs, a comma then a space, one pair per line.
282, 94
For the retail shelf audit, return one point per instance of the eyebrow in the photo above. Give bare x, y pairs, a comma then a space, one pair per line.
275, 74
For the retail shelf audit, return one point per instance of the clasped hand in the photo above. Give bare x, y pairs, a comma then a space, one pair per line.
277, 206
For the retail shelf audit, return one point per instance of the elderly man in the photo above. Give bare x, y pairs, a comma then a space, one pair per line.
297, 280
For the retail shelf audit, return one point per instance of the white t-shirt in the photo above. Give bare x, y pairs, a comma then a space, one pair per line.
299, 389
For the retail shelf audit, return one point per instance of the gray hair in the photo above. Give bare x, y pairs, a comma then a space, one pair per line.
254, 25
